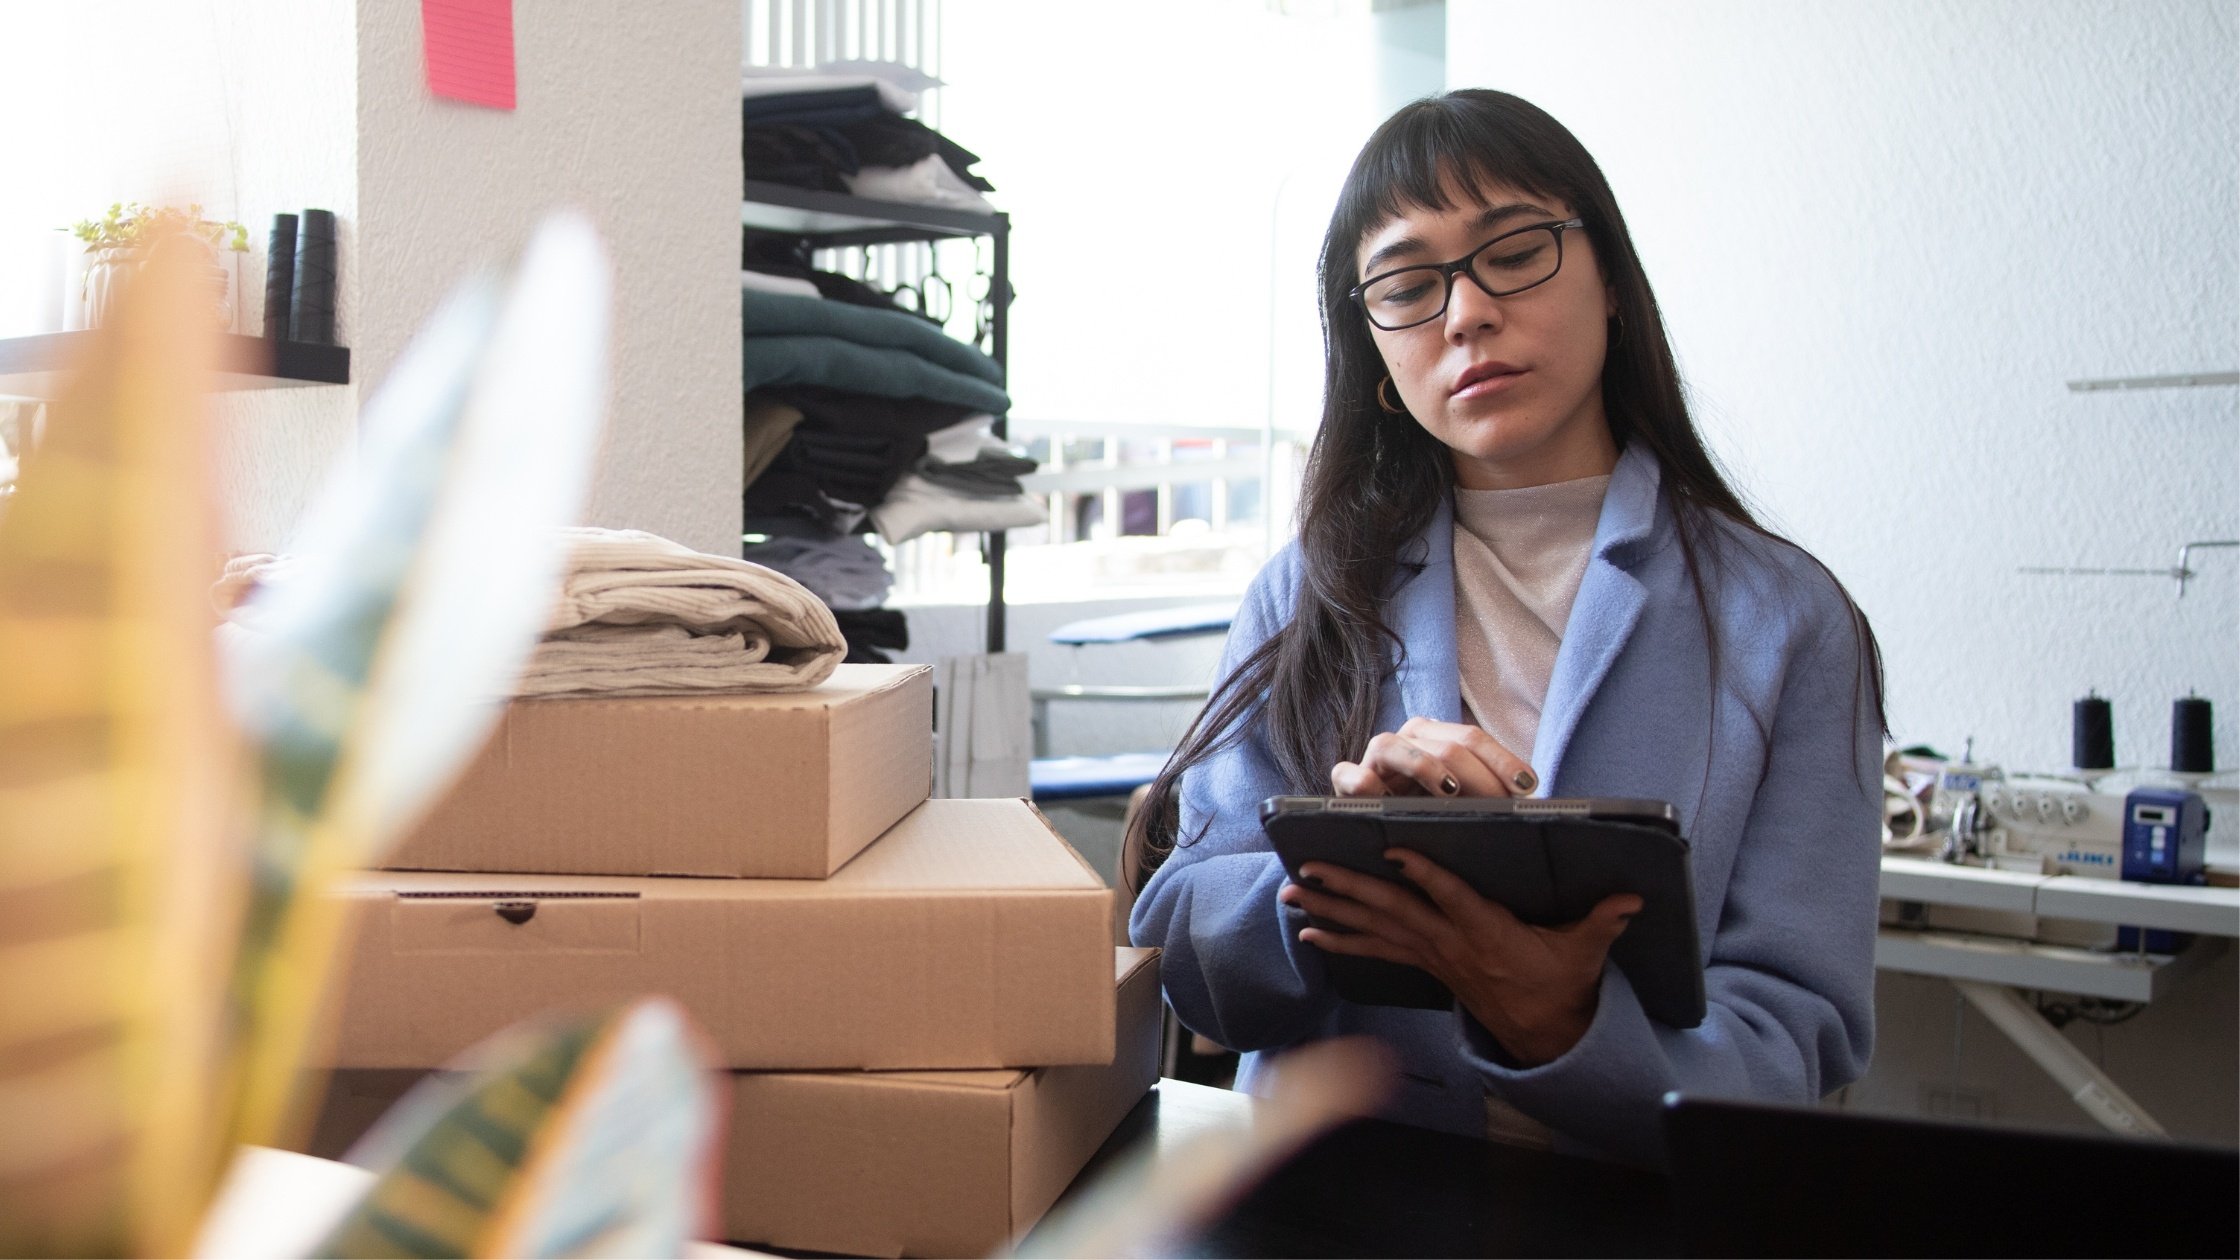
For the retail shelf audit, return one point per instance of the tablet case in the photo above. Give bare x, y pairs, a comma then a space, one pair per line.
1548, 861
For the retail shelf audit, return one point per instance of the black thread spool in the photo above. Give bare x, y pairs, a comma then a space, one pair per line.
312, 319
2092, 734
2192, 740
279, 277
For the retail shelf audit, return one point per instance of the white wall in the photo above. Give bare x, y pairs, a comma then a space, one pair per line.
630, 114
246, 108
1884, 236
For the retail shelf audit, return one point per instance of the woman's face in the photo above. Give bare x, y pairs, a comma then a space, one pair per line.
1511, 385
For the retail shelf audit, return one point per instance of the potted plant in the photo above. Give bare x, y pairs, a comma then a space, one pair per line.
125, 237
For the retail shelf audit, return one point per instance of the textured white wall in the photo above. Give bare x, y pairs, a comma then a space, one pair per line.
246, 108
1884, 236
628, 113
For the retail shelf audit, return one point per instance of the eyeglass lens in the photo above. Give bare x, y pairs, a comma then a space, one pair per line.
1507, 265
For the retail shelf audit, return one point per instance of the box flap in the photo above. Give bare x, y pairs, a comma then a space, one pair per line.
967, 846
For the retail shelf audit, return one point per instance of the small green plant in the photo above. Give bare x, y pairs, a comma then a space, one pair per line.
132, 226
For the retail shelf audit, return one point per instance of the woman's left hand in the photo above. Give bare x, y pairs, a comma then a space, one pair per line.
1533, 988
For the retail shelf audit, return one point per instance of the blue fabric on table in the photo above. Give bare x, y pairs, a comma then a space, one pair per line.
835, 363
787, 314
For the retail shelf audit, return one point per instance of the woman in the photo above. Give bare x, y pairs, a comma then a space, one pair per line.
1518, 572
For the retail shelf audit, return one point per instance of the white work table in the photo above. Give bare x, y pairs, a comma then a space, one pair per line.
2177, 907
1990, 970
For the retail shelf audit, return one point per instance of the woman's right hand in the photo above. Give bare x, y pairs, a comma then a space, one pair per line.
1431, 758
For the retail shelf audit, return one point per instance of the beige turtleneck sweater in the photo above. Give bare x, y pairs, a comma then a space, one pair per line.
1518, 558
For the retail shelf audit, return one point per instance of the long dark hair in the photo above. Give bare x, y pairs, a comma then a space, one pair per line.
1373, 482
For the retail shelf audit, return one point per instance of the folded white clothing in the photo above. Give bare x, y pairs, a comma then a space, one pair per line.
928, 182
902, 74
916, 506
778, 80
641, 615
763, 281
962, 442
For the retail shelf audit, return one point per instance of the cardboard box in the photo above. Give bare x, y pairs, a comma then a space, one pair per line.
890, 1163
774, 785
969, 936
928, 1163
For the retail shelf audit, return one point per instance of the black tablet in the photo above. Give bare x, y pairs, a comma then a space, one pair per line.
1549, 861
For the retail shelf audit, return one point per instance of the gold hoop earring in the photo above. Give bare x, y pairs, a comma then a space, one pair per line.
1386, 403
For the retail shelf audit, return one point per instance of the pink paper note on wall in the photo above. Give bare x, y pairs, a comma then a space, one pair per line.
470, 50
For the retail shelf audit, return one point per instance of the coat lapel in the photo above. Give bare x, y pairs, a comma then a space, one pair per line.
1605, 613
1422, 612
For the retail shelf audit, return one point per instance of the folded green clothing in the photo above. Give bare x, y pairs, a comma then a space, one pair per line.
834, 363
787, 313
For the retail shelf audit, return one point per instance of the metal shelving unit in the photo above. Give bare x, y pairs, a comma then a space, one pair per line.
828, 220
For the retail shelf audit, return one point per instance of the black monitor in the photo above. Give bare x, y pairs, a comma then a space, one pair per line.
1750, 1179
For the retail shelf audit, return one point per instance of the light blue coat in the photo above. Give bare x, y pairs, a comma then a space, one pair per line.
1776, 781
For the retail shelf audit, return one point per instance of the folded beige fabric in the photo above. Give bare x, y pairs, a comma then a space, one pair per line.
628, 592
639, 615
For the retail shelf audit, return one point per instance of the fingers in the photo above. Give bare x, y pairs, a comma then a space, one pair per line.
1436, 759
1352, 779
1609, 919
1483, 765
1447, 890
1358, 945
1402, 913
1406, 768
1370, 907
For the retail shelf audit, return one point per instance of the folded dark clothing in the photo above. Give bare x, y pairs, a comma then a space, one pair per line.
843, 411
821, 106
861, 471
989, 477
775, 362
791, 492
863, 653
812, 147
882, 627
893, 140
780, 255
780, 314
872, 633
798, 156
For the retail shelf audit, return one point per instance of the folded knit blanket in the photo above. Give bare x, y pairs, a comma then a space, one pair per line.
639, 615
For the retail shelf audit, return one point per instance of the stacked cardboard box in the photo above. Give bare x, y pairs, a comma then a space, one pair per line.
927, 1024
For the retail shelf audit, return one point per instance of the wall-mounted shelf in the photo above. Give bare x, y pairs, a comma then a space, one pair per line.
35, 367
835, 219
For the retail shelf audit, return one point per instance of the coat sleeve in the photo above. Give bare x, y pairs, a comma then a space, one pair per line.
1789, 968
1233, 965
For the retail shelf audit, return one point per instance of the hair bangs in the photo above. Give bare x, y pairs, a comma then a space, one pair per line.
1427, 155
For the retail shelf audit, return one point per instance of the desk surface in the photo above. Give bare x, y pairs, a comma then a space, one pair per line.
2179, 908
1376, 1188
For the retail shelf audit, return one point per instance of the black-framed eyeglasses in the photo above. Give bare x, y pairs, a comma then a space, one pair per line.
1509, 263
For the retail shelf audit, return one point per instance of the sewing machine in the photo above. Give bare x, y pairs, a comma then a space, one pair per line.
2148, 832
